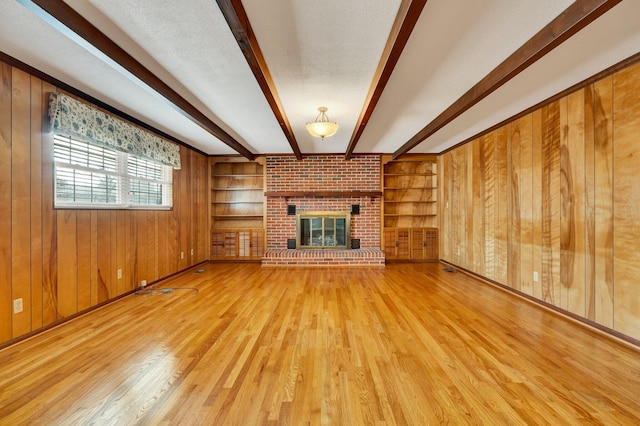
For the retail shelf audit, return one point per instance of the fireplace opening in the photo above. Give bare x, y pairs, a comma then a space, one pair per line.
323, 230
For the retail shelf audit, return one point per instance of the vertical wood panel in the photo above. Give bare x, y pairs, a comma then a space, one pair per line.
67, 263
627, 201
525, 186
93, 296
489, 203
537, 201
121, 255
84, 259
514, 205
20, 200
105, 255
163, 218
501, 261
477, 208
590, 201
444, 167
5, 202
603, 104
458, 206
152, 253
551, 291
470, 225
567, 208
35, 194
49, 226
573, 244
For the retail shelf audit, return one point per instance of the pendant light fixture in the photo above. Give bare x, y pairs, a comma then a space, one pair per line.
322, 127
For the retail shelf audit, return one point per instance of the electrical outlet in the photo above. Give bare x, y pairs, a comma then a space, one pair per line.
119, 274
458, 251
143, 283
191, 252
17, 306
535, 276
447, 204
181, 255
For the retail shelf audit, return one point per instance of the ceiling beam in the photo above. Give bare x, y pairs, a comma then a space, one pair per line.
573, 19
406, 20
67, 20
238, 22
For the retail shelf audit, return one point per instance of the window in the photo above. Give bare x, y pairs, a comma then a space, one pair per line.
93, 176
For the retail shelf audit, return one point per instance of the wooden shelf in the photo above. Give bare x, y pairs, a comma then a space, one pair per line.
407, 188
236, 176
236, 202
410, 202
237, 216
410, 174
410, 215
329, 194
237, 189
410, 193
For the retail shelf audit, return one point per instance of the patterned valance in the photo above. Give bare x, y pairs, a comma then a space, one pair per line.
79, 120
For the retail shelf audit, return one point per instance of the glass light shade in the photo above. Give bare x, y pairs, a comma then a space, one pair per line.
322, 127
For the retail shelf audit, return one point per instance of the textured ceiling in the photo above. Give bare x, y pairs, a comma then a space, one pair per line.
319, 53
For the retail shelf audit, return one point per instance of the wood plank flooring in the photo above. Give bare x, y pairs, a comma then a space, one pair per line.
405, 344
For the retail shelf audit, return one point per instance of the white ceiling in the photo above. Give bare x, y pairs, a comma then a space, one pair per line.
319, 53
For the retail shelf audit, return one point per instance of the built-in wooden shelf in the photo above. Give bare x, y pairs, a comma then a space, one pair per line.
412, 202
410, 174
410, 197
404, 188
234, 216
237, 189
237, 175
237, 209
239, 202
410, 214
329, 194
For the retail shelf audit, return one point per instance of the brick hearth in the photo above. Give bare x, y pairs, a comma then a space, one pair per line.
356, 257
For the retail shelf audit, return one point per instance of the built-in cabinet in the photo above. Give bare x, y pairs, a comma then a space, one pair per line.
237, 209
411, 243
237, 244
410, 208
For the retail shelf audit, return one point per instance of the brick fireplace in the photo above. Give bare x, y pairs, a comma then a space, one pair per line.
323, 183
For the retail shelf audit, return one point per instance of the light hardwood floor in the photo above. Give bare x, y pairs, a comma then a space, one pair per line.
407, 344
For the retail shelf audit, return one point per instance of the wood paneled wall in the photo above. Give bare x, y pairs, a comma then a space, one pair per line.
61, 262
556, 194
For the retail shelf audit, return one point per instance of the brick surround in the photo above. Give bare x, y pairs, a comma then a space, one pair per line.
284, 173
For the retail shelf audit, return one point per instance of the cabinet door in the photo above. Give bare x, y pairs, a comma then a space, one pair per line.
390, 243
230, 245
417, 244
217, 244
257, 244
224, 244
403, 246
244, 244
431, 244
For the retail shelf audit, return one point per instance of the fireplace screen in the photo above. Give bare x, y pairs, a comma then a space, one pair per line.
323, 230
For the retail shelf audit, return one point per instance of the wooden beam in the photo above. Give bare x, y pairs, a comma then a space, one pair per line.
240, 26
67, 20
406, 20
573, 19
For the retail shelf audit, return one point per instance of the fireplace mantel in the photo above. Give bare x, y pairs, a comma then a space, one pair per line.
323, 194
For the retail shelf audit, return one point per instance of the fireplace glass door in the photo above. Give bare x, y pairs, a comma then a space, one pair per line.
323, 230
